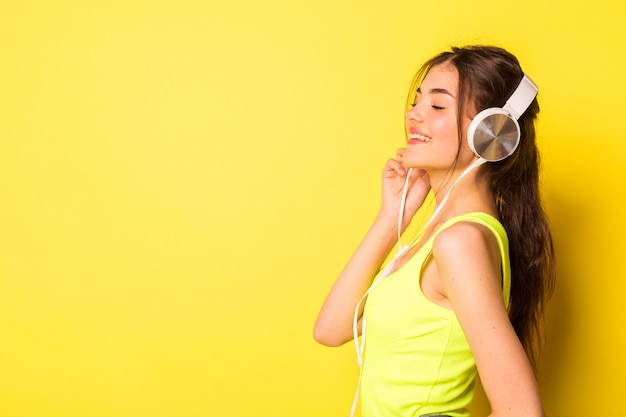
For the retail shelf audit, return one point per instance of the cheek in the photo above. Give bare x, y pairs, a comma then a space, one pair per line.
444, 127
448, 135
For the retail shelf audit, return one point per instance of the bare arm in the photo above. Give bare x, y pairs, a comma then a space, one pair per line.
334, 322
468, 265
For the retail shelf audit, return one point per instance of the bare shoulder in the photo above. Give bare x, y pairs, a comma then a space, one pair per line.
464, 237
467, 252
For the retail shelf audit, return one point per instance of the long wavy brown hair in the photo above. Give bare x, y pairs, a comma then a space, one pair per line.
488, 76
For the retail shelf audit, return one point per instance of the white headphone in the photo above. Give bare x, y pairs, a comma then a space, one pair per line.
494, 133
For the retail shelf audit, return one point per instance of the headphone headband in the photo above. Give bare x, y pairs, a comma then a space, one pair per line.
521, 98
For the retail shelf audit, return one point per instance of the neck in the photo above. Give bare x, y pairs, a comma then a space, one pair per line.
462, 190
444, 181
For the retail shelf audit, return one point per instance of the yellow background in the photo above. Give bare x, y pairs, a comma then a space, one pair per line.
182, 181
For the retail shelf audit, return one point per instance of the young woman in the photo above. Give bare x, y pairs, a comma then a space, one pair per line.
469, 295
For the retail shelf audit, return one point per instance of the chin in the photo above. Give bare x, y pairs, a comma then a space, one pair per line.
413, 163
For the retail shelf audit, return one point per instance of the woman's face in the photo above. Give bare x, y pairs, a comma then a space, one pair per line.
431, 124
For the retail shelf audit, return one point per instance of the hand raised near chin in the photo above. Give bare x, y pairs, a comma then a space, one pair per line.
394, 178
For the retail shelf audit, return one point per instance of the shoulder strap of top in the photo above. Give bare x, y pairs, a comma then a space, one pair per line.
503, 242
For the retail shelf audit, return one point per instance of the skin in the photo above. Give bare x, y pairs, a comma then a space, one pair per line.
464, 271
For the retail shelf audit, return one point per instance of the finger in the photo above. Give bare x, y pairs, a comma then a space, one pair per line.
393, 165
400, 154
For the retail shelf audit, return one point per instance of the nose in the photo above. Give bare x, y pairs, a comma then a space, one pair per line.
414, 113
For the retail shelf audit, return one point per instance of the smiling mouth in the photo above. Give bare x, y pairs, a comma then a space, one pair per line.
415, 137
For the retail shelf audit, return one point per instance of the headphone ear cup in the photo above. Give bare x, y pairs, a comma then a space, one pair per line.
493, 134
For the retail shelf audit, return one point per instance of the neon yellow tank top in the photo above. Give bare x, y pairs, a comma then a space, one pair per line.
417, 359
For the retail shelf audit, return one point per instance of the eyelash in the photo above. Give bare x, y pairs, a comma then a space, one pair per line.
435, 107
432, 105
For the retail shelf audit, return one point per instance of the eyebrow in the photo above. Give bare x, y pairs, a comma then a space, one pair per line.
437, 91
